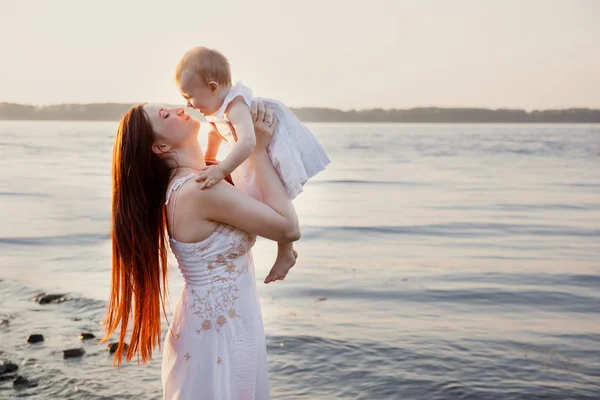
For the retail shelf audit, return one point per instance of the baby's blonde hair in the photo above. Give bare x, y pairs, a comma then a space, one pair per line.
208, 64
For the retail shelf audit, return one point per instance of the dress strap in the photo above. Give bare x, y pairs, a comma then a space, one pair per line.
175, 188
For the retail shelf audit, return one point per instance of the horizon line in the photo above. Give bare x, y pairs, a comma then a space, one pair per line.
528, 110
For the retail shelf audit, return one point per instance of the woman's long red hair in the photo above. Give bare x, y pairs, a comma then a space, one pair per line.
139, 239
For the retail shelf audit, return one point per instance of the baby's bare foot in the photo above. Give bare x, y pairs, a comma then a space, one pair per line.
282, 266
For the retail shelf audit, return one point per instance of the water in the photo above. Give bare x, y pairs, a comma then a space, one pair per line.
437, 262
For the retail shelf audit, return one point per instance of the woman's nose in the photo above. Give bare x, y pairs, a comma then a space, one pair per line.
189, 104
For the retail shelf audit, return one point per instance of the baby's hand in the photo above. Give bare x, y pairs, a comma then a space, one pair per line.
211, 175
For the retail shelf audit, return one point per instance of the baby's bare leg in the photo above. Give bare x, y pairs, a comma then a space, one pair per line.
286, 259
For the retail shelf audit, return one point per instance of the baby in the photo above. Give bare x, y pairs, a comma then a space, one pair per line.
204, 80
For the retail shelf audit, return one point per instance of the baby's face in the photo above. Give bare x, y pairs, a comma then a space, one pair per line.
198, 94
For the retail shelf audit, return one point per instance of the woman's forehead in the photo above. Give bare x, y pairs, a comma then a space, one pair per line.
153, 109
153, 112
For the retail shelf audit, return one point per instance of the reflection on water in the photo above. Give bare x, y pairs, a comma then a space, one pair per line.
437, 262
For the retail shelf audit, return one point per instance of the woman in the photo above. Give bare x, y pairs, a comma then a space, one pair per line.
215, 347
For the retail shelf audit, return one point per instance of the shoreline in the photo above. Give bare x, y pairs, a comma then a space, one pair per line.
417, 115
473, 123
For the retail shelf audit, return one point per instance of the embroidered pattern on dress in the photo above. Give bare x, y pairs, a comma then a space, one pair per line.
219, 303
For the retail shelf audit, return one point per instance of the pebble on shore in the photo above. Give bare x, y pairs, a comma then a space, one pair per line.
6, 367
22, 381
85, 336
44, 298
73, 353
35, 338
112, 347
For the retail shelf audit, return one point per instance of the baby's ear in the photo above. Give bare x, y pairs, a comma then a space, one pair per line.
213, 87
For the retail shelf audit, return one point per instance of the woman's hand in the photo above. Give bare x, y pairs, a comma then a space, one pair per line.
264, 124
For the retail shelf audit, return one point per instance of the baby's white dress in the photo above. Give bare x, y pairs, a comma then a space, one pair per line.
294, 151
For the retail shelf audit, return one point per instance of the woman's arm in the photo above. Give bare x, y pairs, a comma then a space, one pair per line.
212, 144
276, 219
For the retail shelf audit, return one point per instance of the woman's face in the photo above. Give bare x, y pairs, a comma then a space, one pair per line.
172, 125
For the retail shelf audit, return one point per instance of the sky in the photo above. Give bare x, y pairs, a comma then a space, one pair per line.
529, 54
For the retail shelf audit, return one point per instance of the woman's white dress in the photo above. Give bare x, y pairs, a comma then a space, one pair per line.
215, 347
294, 151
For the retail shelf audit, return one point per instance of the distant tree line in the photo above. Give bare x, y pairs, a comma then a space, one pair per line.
114, 111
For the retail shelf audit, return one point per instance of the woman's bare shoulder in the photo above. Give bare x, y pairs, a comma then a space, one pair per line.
191, 212
221, 195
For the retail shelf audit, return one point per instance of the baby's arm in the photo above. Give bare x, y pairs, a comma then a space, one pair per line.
240, 117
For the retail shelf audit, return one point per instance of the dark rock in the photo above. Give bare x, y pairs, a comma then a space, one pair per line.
85, 336
51, 298
35, 338
6, 377
22, 381
76, 319
112, 347
19, 380
7, 367
4, 322
322, 299
72, 353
